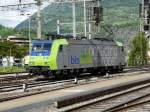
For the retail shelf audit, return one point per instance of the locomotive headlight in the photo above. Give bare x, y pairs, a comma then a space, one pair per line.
32, 58
46, 63
31, 63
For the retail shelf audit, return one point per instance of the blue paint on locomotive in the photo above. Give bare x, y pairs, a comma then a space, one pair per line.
41, 48
40, 53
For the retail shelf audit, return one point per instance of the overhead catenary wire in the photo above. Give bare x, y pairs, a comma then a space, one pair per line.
31, 4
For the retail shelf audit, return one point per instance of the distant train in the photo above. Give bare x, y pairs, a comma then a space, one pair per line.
69, 58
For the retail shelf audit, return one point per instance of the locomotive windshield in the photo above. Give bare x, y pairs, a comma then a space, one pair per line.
41, 49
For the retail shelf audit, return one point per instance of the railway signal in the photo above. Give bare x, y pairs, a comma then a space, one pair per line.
144, 14
98, 12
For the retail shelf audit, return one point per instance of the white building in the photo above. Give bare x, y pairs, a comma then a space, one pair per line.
18, 40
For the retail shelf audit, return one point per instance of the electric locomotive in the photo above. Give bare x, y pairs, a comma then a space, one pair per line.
69, 57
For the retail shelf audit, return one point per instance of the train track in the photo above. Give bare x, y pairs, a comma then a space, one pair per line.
116, 102
33, 88
17, 91
120, 102
31, 85
22, 77
14, 78
141, 106
17, 84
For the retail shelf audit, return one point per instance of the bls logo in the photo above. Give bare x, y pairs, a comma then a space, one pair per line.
75, 60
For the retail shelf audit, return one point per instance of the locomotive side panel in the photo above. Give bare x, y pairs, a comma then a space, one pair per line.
84, 55
105, 54
108, 55
78, 56
101, 54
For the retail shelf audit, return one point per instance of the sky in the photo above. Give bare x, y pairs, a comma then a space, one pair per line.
10, 17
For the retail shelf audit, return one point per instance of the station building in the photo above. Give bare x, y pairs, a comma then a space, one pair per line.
18, 40
11, 61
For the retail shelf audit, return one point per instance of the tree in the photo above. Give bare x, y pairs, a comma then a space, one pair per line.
4, 31
139, 48
8, 48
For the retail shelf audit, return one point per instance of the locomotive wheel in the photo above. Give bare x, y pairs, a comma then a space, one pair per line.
103, 72
77, 73
59, 75
94, 72
70, 74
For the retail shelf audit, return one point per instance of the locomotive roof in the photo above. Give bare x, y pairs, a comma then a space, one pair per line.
41, 41
84, 41
92, 41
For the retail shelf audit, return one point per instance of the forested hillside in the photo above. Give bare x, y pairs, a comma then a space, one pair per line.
5, 32
120, 15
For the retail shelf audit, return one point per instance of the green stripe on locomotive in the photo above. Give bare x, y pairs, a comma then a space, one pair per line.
38, 61
54, 52
86, 58
51, 60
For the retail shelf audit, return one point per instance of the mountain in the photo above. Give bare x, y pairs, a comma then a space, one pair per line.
119, 16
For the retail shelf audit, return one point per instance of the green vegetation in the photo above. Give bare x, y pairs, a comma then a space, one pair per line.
120, 13
5, 70
25, 33
5, 32
8, 48
138, 53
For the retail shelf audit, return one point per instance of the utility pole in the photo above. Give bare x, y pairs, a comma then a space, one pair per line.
74, 19
39, 19
29, 33
141, 27
85, 30
144, 15
58, 27
29, 28
89, 17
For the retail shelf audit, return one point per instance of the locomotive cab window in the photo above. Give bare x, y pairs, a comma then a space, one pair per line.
40, 48
122, 49
60, 48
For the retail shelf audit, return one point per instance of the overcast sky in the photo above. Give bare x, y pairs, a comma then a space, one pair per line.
12, 17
